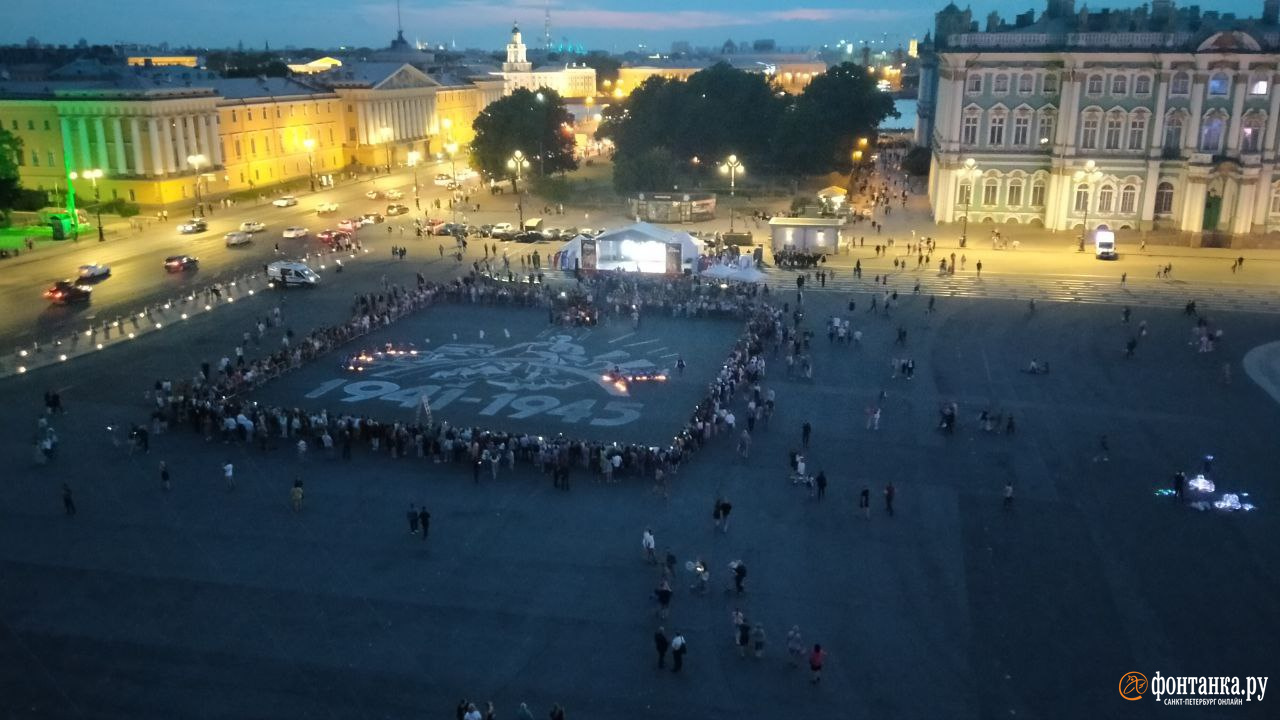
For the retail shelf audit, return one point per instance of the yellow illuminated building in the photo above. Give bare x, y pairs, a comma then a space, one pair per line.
190, 61
789, 75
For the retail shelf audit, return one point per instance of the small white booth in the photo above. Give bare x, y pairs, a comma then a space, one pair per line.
806, 234
640, 247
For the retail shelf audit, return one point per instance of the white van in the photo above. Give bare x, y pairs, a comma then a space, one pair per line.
287, 273
1104, 245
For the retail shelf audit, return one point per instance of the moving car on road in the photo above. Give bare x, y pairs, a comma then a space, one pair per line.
286, 201
372, 218
193, 226
235, 239
394, 194
373, 195
180, 263
252, 226
397, 209
442, 180
294, 231
94, 271
326, 208
65, 292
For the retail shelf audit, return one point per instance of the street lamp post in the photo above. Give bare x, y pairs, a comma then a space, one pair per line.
732, 167
518, 163
413, 158
386, 140
310, 145
196, 161
451, 149
92, 176
1087, 176
970, 174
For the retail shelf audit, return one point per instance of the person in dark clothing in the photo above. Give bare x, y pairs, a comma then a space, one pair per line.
821, 484
805, 431
413, 519
68, 504
660, 643
1179, 485
678, 649
739, 577
424, 520
889, 492
864, 502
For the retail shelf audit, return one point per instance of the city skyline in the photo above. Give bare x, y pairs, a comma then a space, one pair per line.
611, 25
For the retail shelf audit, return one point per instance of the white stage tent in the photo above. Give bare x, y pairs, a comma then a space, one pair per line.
635, 248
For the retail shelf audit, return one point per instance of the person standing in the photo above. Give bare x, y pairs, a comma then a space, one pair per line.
757, 640
816, 660
68, 503
660, 644
229, 475
795, 646
821, 484
678, 649
864, 502
1179, 485
1008, 494
648, 543
424, 522
889, 493
295, 495
724, 507
978, 266
412, 516
744, 634
164, 477
805, 431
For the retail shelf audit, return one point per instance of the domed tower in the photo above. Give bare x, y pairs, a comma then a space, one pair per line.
516, 58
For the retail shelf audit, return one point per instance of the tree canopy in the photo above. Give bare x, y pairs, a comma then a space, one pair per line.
10, 189
721, 111
534, 122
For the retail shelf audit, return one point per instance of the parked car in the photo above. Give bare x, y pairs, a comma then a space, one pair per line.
293, 231
235, 239
372, 218
502, 231
286, 201
180, 263
252, 226
65, 292
94, 271
394, 194
326, 208
192, 226
531, 236
554, 233
395, 209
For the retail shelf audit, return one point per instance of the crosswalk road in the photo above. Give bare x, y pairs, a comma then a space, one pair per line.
1045, 288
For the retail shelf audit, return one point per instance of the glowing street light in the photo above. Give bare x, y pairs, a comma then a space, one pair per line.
92, 176
386, 140
518, 163
196, 162
732, 167
451, 149
969, 175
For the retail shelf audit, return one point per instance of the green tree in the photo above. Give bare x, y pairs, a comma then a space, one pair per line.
535, 123
653, 169
917, 160
835, 109
10, 189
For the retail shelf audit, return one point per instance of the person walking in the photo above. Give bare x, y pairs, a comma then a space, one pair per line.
678, 649
68, 503
743, 637
758, 640
821, 485
663, 594
412, 516
723, 508
229, 475
1008, 494
648, 542
795, 646
817, 659
1124, 278
1179, 485
805, 431
424, 522
660, 644
164, 477
889, 493
295, 495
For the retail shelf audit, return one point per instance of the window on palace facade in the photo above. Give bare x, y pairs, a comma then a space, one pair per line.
991, 192
1128, 199
1115, 126
351, 134
1045, 132
253, 146
1037, 194
31, 124
133, 197
1050, 83
1173, 132
1094, 85
974, 83
1180, 84
46, 122
1026, 84
1275, 200
1259, 86
248, 115
1142, 85
966, 194
237, 146
1000, 84
1089, 133
1219, 84
1138, 131
995, 131
1164, 198
1119, 84
1015, 193
1106, 196
49, 157
1082, 198
1212, 132
1251, 133
969, 130
1021, 130
35, 158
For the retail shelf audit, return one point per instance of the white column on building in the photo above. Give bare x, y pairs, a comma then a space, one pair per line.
406, 120
1149, 192
207, 137
180, 135
1273, 118
100, 138
68, 157
167, 143
1191, 143
192, 134
117, 127
158, 156
384, 120
1069, 113
1237, 113
1242, 219
136, 137
397, 121
951, 133
215, 140
362, 124
1157, 121
1262, 197
86, 158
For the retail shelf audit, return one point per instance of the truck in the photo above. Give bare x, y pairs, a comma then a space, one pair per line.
287, 273
1104, 244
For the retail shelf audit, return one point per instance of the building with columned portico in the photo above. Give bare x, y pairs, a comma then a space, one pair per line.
1153, 118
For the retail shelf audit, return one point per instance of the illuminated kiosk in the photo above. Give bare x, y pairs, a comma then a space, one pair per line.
640, 248
819, 236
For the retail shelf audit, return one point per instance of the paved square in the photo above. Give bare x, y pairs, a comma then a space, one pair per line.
509, 369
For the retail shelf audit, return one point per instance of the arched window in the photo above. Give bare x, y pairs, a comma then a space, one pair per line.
1089, 131
1251, 132
1082, 198
1138, 130
1212, 132
1015, 193
1022, 128
1106, 197
974, 83
1259, 86
1000, 84
1094, 85
1037, 194
995, 127
1142, 85
1119, 84
991, 192
1050, 83
1180, 84
1173, 132
1115, 128
1026, 84
1046, 129
969, 127
1164, 198
965, 194
1128, 199
1219, 84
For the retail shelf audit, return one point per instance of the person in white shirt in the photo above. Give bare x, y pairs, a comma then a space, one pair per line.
228, 472
648, 542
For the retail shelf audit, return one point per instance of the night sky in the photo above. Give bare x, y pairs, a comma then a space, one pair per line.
614, 25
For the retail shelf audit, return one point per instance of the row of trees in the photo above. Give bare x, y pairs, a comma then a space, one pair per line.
665, 124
